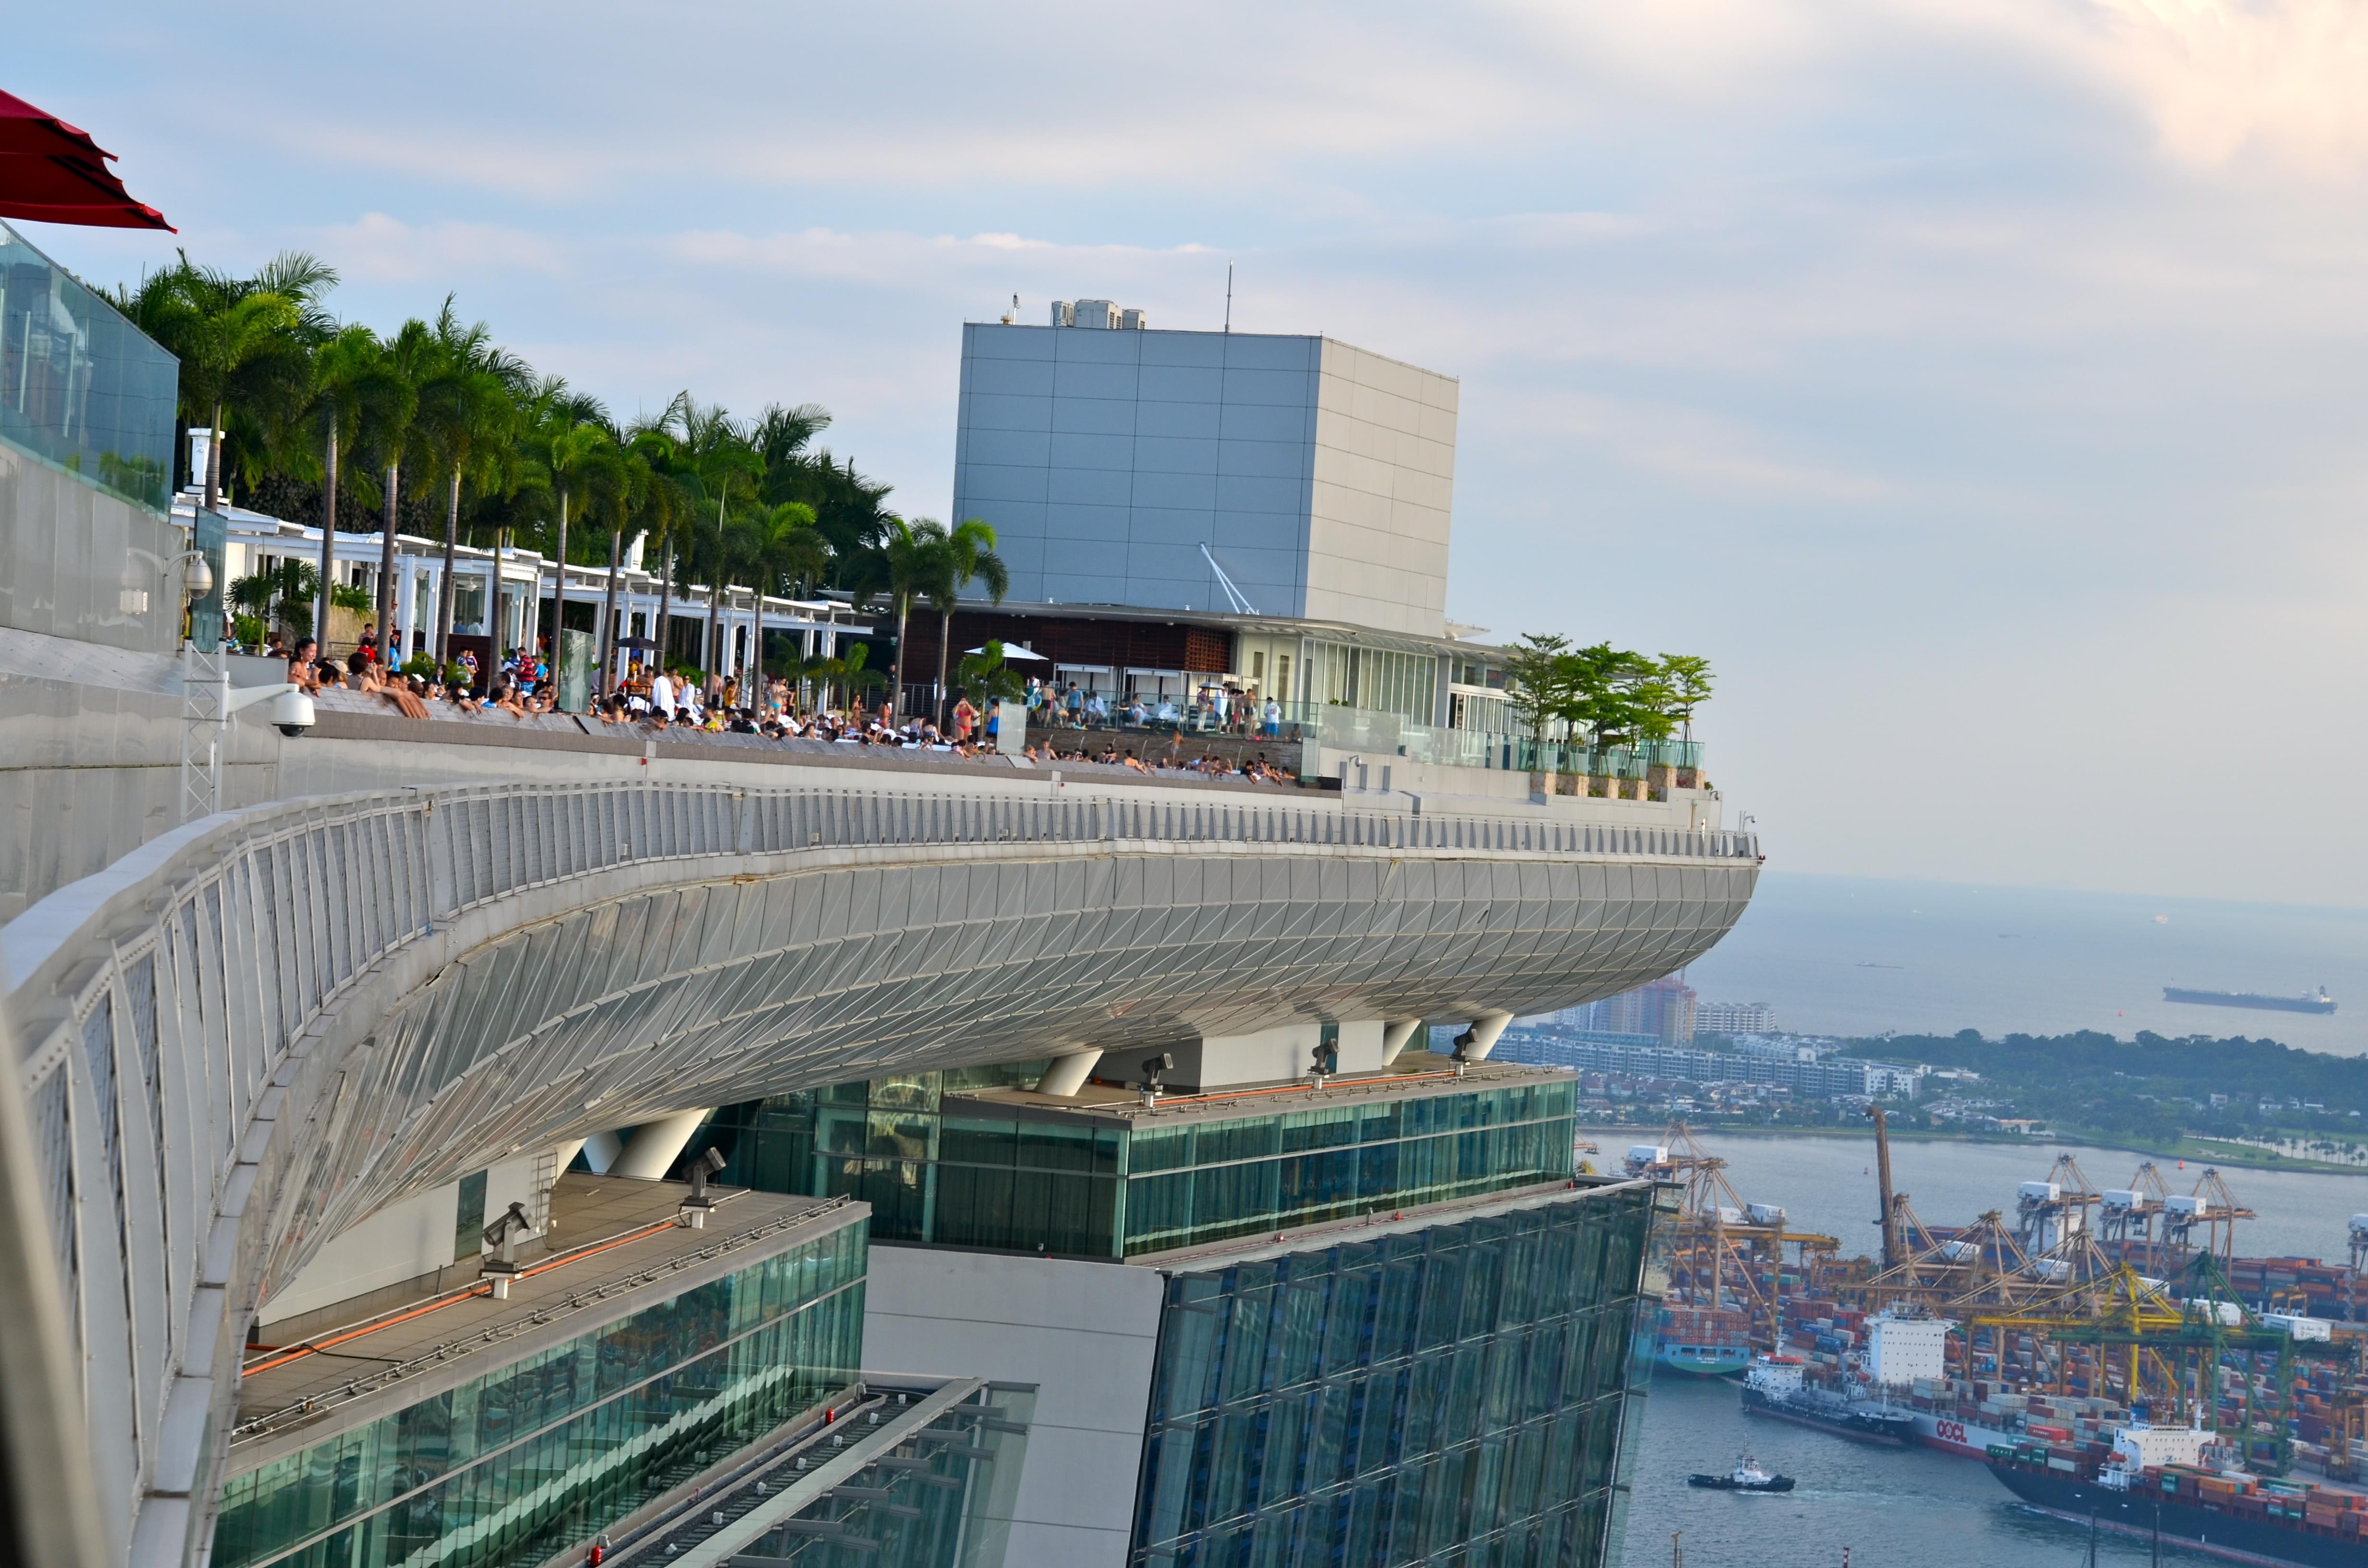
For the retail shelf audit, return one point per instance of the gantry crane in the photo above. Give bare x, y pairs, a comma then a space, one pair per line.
2212, 1207
1721, 1240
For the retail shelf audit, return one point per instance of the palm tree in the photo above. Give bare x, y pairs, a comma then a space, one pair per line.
970, 556
470, 406
918, 566
403, 361
777, 543
628, 484
582, 459
238, 338
713, 459
352, 390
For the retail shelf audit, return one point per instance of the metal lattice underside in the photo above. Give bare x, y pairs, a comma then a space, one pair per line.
261, 1029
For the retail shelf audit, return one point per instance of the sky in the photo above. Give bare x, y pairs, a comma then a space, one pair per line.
1977, 383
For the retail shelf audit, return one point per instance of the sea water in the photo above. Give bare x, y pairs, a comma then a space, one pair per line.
1857, 955
1892, 1507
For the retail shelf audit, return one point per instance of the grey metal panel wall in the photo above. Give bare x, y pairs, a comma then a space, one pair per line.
1106, 459
254, 1030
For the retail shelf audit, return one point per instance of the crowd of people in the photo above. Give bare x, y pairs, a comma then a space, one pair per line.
774, 707
1218, 709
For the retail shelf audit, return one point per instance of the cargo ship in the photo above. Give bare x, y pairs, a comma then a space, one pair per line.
1700, 1342
2157, 1483
1774, 1387
2305, 1003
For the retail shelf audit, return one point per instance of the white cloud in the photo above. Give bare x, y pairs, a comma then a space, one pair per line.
376, 248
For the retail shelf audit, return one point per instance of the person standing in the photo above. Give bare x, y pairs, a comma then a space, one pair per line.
662, 694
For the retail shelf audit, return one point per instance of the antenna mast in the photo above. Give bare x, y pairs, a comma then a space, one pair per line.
1229, 299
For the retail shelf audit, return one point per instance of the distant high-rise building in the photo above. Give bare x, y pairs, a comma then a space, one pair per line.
1734, 1018
1665, 1009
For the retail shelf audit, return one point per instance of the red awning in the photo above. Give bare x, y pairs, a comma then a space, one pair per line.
53, 173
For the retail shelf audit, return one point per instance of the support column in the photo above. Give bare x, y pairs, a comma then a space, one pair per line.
601, 1151
656, 1145
1066, 1074
1395, 1038
1474, 1043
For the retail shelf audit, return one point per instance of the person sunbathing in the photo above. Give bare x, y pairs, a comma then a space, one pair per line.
397, 691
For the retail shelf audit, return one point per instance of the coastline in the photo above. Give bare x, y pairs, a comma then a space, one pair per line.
2238, 1157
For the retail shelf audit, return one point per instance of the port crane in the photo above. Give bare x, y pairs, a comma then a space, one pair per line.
2169, 1351
1723, 1242
2210, 1208
2131, 1214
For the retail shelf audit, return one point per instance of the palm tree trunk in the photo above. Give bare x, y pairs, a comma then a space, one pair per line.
608, 608
328, 544
451, 547
945, 641
666, 607
715, 586
391, 657
897, 696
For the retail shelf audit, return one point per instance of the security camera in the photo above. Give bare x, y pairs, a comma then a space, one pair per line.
293, 712
710, 1162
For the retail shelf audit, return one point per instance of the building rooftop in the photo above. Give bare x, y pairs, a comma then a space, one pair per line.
620, 1249
1415, 1075
1372, 1227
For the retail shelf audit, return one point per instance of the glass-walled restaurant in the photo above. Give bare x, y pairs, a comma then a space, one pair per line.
80, 386
944, 1159
530, 1458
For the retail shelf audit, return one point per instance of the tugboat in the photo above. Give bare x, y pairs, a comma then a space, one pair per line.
1773, 1387
1747, 1476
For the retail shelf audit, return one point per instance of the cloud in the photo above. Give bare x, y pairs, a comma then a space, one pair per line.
2275, 83
376, 248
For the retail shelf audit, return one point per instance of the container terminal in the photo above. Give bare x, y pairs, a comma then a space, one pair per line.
2063, 1341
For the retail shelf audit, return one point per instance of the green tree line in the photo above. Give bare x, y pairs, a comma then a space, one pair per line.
436, 428
1612, 697
2152, 1084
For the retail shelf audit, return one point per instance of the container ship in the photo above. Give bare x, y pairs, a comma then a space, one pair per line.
2305, 1003
2167, 1483
1700, 1342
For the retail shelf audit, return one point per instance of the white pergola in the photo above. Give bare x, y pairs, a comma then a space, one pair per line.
525, 577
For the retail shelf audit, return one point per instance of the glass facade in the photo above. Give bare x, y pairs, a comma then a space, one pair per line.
941, 1499
1380, 679
1454, 1395
940, 1166
540, 1453
80, 386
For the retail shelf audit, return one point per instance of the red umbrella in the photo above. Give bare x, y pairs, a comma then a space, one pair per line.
53, 173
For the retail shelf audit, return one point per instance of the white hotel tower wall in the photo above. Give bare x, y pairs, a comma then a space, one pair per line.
1319, 475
